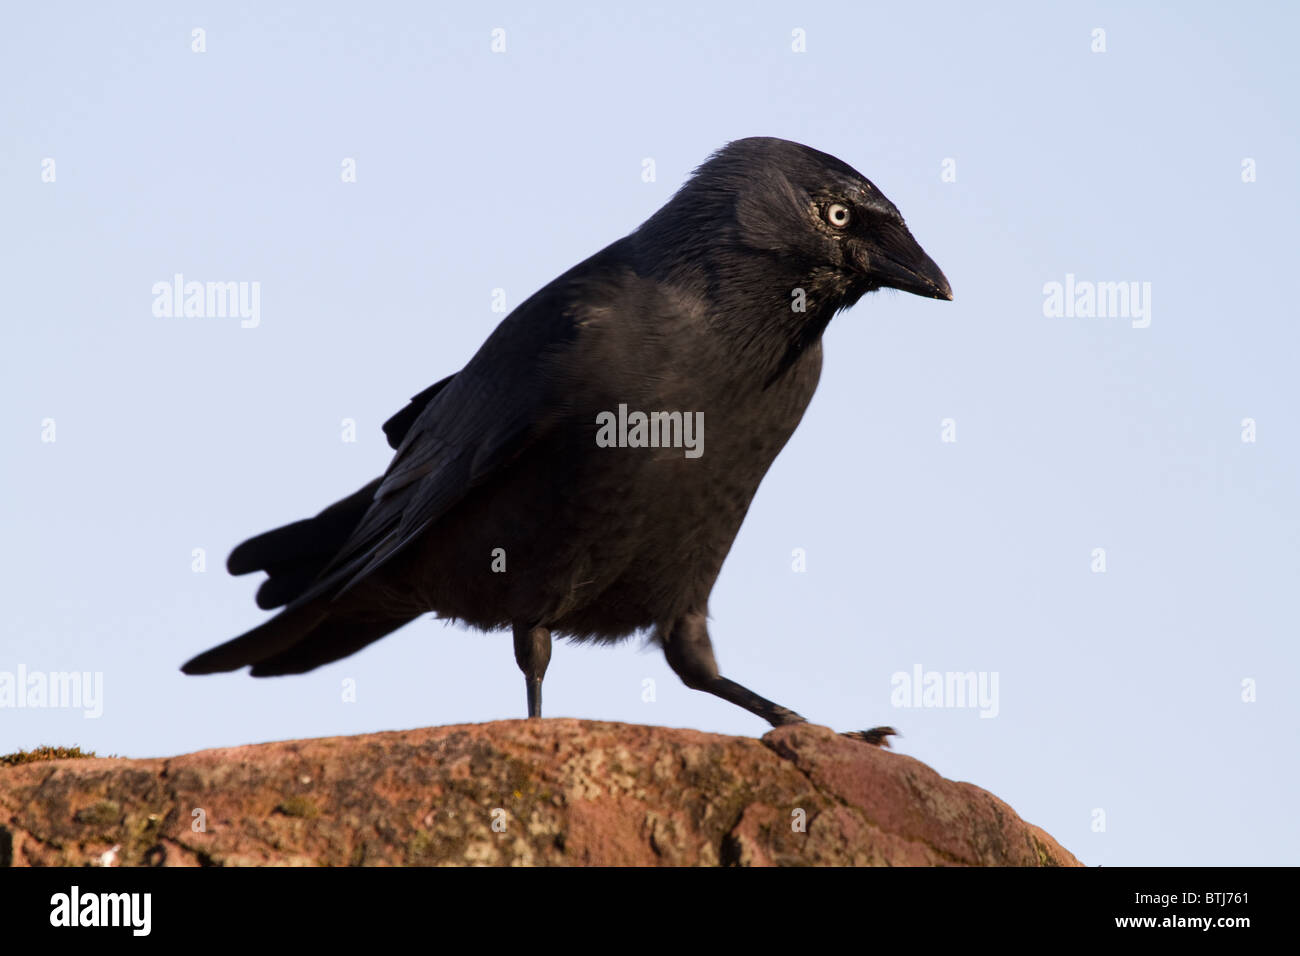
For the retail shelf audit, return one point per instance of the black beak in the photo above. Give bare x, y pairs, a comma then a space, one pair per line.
897, 261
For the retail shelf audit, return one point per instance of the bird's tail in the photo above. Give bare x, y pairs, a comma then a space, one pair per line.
307, 633
294, 555
300, 639
278, 635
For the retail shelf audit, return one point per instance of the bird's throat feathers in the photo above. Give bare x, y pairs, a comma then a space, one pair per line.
767, 310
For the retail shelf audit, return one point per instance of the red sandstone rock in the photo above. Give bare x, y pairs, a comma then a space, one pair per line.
552, 792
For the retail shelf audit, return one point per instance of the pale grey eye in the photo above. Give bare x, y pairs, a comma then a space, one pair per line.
838, 215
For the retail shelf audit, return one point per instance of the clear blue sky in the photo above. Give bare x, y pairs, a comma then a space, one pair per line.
1119, 691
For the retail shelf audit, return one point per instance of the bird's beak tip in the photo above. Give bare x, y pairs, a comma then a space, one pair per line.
928, 283
931, 275
909, 269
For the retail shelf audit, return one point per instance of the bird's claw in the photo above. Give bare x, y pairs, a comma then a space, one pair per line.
876, 736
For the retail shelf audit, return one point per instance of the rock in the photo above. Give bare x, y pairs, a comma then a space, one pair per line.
516, 792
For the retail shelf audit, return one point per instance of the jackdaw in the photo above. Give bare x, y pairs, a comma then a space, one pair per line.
560, 483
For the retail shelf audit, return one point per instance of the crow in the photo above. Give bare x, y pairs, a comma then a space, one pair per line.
561, 483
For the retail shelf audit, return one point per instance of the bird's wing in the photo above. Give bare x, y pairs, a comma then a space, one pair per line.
395, 428
474, 423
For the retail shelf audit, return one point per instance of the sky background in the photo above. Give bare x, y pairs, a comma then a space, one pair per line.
1119, 691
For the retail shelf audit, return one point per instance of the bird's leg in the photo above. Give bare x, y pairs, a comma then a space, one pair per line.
532, 654
690, 655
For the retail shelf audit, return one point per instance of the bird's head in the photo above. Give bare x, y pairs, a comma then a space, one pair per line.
799, 218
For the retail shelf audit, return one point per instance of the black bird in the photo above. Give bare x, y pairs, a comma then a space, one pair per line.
505, 506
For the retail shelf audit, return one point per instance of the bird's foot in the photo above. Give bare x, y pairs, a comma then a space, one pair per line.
876, 736
784, 717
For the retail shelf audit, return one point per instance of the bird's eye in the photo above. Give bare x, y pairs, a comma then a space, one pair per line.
838, 215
